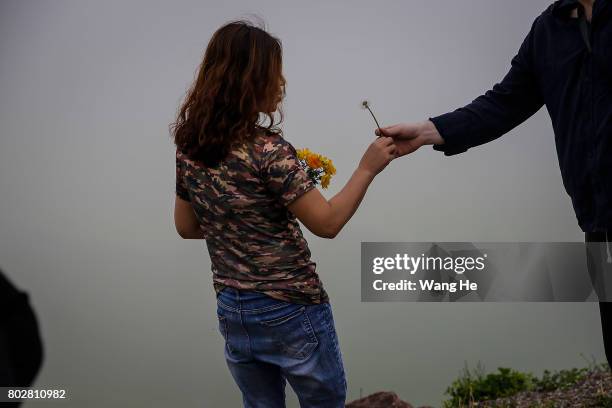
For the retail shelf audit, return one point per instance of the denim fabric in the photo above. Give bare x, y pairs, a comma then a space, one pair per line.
270, 341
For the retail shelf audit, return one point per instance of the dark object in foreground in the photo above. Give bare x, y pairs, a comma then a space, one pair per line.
381, 399
21, 351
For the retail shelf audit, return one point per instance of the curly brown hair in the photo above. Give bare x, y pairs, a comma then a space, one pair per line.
239, 81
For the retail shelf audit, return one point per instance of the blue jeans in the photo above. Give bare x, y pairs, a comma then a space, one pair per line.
269, 341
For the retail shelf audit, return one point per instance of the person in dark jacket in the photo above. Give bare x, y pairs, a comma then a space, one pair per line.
564, 63
21, 351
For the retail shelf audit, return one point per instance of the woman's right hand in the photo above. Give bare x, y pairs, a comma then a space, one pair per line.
378, 155
326, 218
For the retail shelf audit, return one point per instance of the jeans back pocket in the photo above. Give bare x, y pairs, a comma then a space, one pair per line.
293, 332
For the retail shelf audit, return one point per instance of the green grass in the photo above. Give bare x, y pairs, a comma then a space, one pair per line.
474, 385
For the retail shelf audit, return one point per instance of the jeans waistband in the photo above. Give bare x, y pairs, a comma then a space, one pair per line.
247, 301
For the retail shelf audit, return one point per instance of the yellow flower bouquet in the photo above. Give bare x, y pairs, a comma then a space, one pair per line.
319, 168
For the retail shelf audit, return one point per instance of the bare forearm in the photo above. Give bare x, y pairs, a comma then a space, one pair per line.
326, 218
430, 134
344, 204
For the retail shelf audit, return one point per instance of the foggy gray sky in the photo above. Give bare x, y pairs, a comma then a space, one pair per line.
127, 308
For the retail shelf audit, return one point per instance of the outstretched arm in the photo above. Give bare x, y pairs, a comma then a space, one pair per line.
326, 218
496, 112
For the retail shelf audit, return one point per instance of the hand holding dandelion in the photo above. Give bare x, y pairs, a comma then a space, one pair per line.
318, 167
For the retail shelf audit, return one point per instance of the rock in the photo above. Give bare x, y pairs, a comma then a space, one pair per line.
381, 399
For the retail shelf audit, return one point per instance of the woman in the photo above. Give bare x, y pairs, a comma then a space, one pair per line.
240, 187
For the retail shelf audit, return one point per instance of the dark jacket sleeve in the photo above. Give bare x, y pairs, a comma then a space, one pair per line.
499, 110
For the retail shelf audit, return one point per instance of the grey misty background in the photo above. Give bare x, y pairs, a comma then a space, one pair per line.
127, 308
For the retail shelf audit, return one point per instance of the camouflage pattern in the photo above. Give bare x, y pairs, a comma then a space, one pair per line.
254, 241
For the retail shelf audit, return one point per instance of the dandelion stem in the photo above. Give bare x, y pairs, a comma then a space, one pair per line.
372, 113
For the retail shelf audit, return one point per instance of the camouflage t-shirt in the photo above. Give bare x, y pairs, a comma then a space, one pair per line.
254, 241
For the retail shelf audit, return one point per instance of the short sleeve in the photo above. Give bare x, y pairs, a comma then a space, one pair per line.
181, 185
285, 178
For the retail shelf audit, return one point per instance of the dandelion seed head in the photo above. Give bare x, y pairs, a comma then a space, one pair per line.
364, 104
